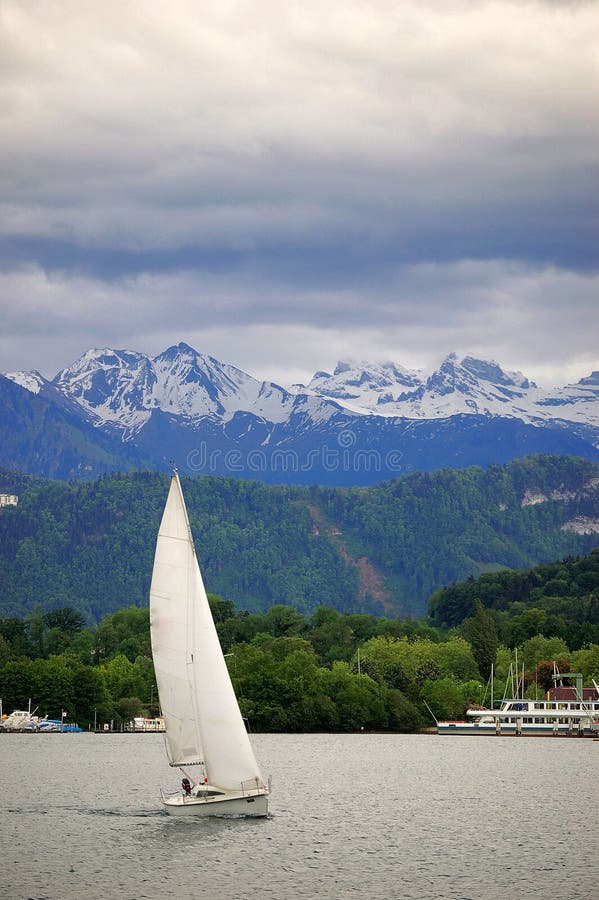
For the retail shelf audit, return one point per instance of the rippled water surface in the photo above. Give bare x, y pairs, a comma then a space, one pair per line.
370, 816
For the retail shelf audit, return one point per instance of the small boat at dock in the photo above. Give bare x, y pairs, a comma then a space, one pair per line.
20, 720
24, 721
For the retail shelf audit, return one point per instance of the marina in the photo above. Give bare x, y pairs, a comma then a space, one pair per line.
24, 721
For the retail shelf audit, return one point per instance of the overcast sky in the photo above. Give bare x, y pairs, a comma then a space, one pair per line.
283, 184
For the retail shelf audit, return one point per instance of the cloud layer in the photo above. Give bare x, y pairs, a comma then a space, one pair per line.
286, 181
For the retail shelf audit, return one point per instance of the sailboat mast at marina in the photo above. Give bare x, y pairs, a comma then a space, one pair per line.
203, 722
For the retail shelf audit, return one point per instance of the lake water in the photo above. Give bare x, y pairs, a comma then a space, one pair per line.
369, 816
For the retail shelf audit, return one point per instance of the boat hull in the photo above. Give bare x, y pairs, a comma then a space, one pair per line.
240, 806
511, 728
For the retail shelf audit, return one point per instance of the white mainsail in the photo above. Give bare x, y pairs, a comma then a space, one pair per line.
202, 718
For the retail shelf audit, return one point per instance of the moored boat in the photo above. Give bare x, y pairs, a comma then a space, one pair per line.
20, 720
568, 711
53, 725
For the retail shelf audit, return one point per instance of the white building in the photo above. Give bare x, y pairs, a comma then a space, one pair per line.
8, 499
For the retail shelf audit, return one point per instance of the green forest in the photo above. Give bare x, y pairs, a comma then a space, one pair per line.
381, 550
330, 671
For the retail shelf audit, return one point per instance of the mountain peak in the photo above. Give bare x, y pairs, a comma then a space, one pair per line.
101, 357
489, 370
32, 381
344, 365
177, 350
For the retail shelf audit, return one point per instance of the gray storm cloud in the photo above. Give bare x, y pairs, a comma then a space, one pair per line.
401, 177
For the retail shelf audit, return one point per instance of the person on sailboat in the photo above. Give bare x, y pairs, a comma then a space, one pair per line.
186, 785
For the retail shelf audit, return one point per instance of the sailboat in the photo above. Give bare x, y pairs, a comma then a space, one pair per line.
203, 722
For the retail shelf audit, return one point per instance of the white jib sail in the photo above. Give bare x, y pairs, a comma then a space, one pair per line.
202, 717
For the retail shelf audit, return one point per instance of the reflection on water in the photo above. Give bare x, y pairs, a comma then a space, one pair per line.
370, 816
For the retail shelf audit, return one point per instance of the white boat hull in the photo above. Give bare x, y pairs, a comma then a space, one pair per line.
545, 729
224, 806
469, 728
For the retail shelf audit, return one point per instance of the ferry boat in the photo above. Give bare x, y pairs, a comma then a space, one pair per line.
569, 711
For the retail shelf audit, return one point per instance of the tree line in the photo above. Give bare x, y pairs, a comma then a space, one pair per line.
331, 671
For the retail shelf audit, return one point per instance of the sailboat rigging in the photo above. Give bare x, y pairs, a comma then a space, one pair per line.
203, 722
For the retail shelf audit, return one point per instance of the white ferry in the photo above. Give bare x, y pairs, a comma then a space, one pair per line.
566, 711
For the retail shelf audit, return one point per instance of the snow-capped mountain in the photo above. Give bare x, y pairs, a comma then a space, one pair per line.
364, 387
468, 386
360, 424
32, 381
120, 389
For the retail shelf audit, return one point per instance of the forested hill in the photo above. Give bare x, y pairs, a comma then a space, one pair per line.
384, 549
559, 598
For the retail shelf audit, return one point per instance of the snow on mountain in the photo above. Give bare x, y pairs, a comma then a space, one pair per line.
192, 384
310, 410
114, 387
32, 381
574, 402
120, 389
364, 387
467, 386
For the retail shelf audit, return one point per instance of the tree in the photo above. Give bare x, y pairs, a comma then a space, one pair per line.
444, 698
91, 699
66, 619
545, 670
330, 635
128, 708
403, 714
360, 702
37, 633
586, 660
123, 678
5, 651
284, 620
449, 698
14, 631
480, 631
538, 648
529, 623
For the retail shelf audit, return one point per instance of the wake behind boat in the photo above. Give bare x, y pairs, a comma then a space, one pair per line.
203, 723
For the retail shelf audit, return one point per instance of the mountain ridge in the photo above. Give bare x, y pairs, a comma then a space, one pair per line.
361, 424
